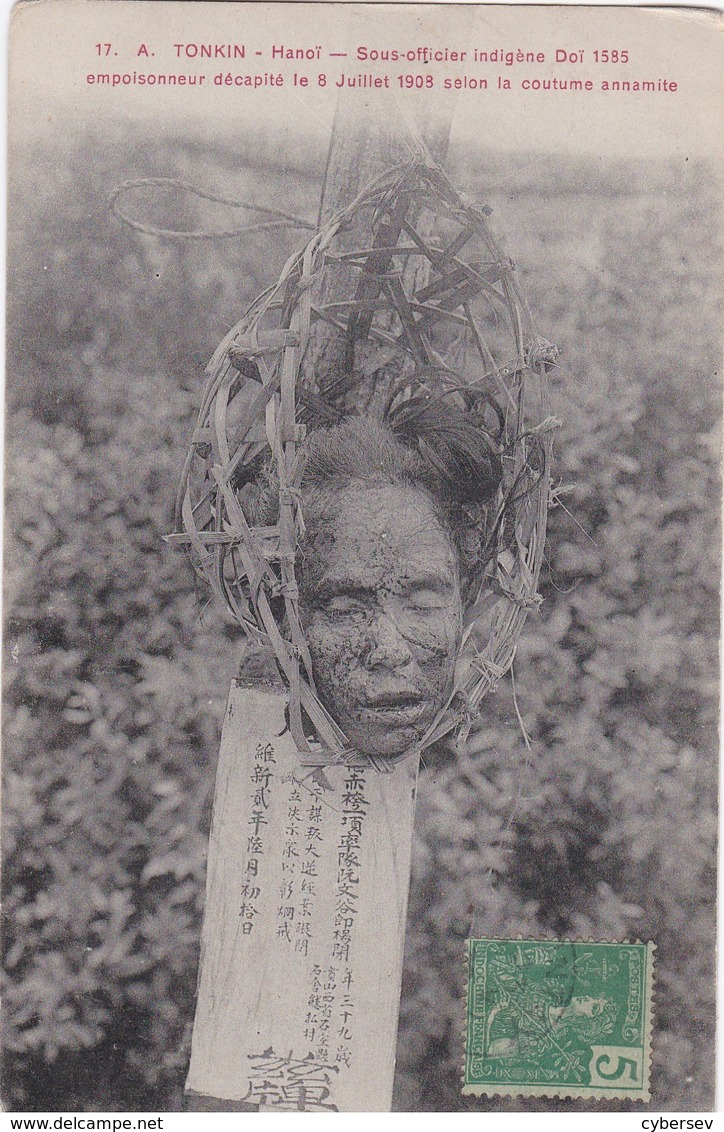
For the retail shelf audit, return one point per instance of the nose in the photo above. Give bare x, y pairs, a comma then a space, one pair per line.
388, 647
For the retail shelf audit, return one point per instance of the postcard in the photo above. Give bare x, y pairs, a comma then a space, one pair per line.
362, 557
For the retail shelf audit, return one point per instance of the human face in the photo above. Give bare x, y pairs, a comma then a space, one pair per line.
382, 612
583, 1004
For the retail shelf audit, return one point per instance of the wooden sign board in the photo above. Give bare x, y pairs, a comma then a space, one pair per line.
303, 935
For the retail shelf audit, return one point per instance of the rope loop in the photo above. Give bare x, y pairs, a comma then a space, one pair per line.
282, 219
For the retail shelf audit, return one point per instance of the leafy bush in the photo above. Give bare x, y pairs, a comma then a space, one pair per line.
117, 669
607, 828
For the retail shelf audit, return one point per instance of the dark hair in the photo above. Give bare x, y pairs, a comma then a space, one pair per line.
435, 449
428, 441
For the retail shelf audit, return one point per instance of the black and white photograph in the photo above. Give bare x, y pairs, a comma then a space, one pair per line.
362, 558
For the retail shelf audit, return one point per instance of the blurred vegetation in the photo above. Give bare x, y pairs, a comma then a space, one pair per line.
117, 668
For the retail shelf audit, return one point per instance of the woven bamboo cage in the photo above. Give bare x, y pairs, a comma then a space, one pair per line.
428, 291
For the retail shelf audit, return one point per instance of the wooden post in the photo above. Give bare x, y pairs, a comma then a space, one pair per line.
362, 148
308, 871
304, 926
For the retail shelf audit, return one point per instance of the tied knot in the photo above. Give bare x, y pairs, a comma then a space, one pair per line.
290, 495
541, 354
287, 589
529, 601
487, 668
305, 282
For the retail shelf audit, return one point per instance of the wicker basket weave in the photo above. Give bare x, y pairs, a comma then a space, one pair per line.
429, 290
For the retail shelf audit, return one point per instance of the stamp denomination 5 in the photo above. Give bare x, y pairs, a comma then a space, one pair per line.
550, 1018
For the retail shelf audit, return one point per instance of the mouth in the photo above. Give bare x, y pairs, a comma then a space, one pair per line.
401, 708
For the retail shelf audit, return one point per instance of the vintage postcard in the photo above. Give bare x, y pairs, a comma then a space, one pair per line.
362, 557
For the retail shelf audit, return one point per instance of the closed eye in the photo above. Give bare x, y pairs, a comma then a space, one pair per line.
340, 607
425, 601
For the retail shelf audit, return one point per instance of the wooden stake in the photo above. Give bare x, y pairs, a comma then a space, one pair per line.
308, 872
304, 927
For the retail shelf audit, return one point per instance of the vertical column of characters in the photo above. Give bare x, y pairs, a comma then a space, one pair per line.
287, 911
261, 776
346, 897
312, 847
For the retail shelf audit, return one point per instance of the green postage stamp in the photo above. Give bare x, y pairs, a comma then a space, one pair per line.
563, 1019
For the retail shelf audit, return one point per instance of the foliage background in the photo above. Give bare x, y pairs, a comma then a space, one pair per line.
117, 670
